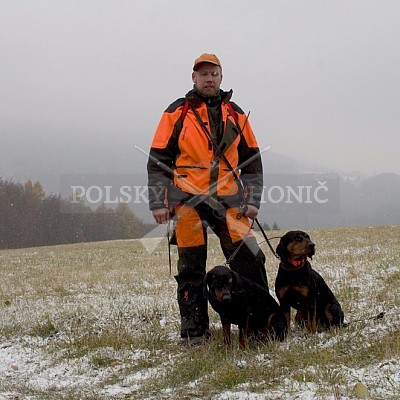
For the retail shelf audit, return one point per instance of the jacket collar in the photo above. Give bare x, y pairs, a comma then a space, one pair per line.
196, 98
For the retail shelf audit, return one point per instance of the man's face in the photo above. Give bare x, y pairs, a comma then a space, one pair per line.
207, 79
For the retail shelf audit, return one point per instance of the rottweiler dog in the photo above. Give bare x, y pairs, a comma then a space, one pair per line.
297, 285
242, 302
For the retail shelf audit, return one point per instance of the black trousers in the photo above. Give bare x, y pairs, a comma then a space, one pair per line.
191, 237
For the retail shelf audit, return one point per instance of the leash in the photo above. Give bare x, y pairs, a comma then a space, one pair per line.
232, 256
220, 153
169, 247
243, 206
226, 263
267, 240
374, 318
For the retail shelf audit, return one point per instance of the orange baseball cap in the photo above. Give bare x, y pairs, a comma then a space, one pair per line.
206, 58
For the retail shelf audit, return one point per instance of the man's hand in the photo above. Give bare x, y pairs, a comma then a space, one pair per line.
251, 212
161, 215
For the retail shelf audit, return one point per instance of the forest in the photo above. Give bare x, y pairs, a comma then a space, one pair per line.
29, 218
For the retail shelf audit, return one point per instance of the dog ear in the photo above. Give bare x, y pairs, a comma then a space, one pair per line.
281, 249
312, 248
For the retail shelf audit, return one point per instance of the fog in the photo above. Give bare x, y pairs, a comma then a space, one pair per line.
83, 82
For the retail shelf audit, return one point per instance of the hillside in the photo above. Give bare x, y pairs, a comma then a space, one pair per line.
100, 321
351, 201
355, 199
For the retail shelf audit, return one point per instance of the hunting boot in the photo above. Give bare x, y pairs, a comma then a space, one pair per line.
193, 310
193, 306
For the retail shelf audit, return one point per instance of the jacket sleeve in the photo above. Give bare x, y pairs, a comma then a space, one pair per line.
250, 157
163, 152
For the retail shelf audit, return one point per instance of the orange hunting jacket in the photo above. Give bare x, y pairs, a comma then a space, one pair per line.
181, 154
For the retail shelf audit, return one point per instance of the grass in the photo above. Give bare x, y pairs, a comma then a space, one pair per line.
100, 321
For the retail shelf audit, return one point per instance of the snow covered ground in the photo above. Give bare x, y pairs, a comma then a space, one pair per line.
100, 321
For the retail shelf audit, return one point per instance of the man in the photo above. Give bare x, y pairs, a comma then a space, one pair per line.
205, 170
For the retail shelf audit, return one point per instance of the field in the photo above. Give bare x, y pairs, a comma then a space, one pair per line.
100, 321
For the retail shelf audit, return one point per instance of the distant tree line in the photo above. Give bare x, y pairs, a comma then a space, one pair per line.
266, 227
28, 218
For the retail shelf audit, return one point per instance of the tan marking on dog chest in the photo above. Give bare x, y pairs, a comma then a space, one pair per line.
303, 290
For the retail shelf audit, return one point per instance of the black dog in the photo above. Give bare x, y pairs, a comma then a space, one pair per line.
242, 302
297, 285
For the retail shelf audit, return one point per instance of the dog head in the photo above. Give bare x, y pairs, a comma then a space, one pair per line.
219, 282
295, 245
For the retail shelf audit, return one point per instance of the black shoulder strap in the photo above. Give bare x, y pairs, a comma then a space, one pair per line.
232, 112
220, 154
213, 142
185, 110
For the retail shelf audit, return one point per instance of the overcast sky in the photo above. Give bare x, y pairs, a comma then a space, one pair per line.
321, 78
